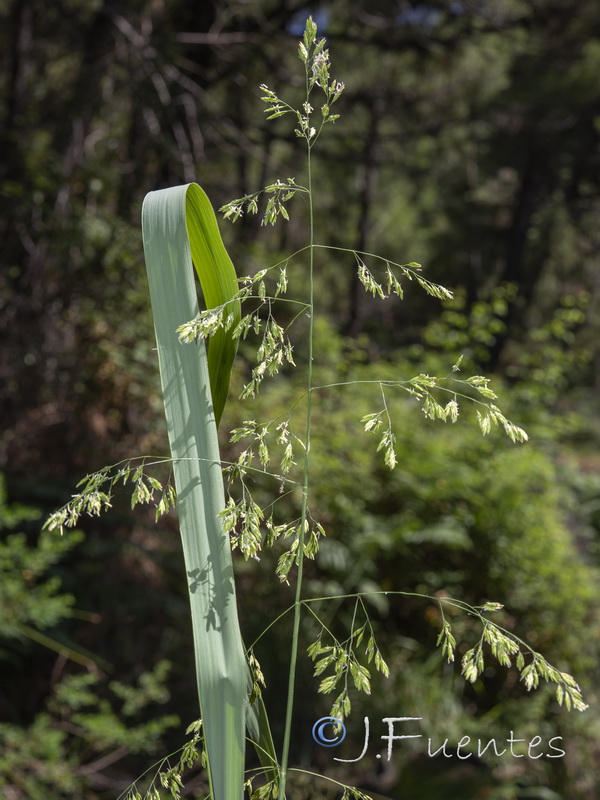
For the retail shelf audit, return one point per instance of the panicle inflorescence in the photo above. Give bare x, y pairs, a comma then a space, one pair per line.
97, 490
341, 658
422, 388
509, 651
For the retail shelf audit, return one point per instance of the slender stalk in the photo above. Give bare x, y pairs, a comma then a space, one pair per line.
304, 513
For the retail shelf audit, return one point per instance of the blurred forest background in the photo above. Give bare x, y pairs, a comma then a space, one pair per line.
470, 142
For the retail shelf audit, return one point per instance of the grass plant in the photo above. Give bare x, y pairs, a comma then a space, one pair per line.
179, 228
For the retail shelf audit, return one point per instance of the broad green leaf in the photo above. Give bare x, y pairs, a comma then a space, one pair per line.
221, 667
218, 281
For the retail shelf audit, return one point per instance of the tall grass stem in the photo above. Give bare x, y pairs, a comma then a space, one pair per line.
305, 484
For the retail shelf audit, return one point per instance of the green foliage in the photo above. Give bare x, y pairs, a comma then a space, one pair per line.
87, 722
541, 369
112, 721
28, 596
35, 761
83, 727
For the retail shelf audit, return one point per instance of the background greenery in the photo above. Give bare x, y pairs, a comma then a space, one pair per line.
470, 142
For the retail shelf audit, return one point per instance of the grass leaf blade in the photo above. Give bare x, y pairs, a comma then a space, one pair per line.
220, 661
219, 284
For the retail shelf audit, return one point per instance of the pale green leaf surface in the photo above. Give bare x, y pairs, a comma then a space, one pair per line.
220, 662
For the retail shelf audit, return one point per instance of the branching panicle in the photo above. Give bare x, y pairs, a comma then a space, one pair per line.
509, 651
341, 657
422, 388
97, 491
